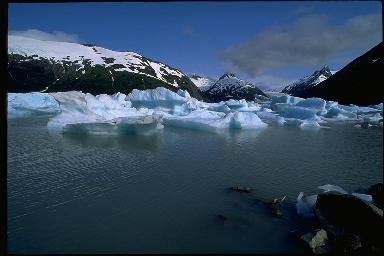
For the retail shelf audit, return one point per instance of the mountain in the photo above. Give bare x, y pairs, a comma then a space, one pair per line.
203, 83
35, 65
359, 83
230, 87
300, 87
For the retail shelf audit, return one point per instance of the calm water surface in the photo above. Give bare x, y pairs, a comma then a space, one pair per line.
162, 193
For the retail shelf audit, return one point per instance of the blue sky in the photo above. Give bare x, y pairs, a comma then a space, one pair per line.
270, 43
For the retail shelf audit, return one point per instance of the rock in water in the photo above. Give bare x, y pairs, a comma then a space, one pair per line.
345, 216
315, 240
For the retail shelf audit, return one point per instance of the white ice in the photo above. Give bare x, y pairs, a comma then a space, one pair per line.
180, 109
26, 104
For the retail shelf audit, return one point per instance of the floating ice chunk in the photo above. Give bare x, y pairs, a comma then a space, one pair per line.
77, 107
219, 107
271, 118
290, 111
238, 105
152, 98
162, 99
34, 103
363, 197
212, 120
120, 97
146, 125
341, 113
199, 120
329, 187
245, 120
309, 125
304, 206
313, 104
378, 106
285, 99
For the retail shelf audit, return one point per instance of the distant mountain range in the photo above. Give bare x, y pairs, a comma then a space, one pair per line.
302, 86
230, 87
360, 82
47, 66
35, 65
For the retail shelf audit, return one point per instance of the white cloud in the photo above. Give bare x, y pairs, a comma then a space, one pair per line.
41, 35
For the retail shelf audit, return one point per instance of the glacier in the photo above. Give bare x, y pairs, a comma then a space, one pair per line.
156, 108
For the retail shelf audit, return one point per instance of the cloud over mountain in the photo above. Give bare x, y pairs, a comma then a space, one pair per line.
310, 40
57, 36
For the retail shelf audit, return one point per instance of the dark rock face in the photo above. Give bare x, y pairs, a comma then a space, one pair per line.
359, 83
351, 222
302, 86
230, 87
377, 192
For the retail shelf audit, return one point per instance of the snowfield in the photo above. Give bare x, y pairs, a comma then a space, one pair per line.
110, 114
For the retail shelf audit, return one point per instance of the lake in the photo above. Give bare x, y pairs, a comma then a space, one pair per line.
162, 193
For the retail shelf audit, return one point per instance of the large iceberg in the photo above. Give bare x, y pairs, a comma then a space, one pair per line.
79, 108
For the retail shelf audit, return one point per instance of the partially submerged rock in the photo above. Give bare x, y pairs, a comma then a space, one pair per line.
315, 240
275, 206
242, 189
350, 221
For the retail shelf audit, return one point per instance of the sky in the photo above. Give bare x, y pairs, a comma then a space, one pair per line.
269, 43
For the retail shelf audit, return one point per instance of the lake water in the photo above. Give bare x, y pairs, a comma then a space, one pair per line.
162, 193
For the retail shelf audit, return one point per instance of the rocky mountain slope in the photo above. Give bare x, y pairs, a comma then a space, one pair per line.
300, 87
35, 65
230, 87
359, 83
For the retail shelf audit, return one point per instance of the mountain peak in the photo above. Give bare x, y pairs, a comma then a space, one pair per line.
326, 71
227, 75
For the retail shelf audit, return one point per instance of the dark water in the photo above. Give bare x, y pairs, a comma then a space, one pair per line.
161, 194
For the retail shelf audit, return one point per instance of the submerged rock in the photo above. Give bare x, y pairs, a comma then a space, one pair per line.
350, 221
242, 189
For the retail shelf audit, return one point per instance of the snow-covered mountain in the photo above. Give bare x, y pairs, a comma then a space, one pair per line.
360, 82
35, 65
203, 83
230, 87
300, 87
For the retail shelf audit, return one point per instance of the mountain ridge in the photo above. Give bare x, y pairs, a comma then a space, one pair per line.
35, 65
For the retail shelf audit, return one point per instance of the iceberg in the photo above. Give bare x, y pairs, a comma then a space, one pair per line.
28, 104
211, 120
79, 108
315, 104
146, 125
181, 110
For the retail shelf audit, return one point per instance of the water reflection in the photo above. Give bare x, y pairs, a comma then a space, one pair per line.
151, 143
